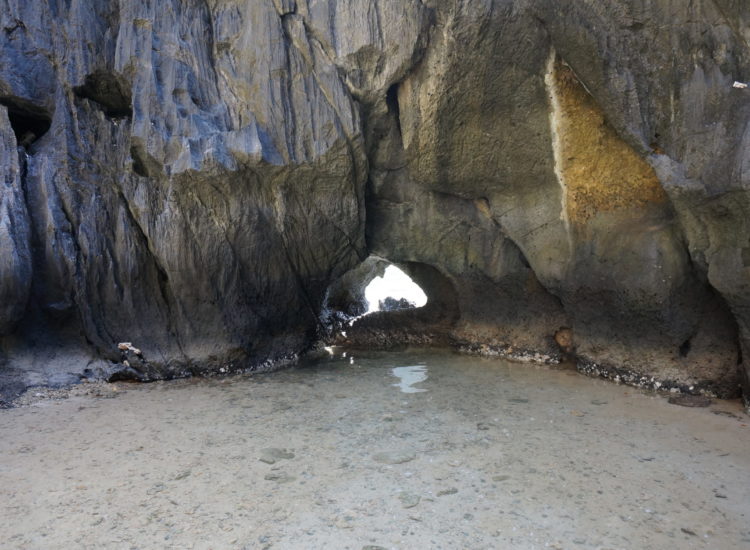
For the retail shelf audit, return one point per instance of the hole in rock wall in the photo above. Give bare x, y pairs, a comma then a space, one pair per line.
144, 164
28, 121
108, 90
393, 290
374, 285
391, 100
381, 304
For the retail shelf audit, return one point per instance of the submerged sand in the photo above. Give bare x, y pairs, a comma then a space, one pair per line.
334, 454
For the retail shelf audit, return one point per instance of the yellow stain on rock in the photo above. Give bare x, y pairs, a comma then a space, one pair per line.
599, 171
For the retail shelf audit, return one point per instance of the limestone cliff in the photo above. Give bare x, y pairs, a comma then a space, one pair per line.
192, 176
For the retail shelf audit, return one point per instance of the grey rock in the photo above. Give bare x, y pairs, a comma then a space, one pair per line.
15, 232
469, 175
394, 457
271, 455
195, 177
409, 500
347, 294
279, 477
168, 202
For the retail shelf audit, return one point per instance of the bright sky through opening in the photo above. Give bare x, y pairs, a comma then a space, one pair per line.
396, 284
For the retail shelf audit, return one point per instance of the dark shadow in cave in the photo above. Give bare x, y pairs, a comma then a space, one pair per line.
391, 100
110, 91
29, 121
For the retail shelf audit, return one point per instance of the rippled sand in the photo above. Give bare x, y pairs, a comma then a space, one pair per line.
489, 455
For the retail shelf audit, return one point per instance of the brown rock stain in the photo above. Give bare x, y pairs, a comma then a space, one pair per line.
600, 171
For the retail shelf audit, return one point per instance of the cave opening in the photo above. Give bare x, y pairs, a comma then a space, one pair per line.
29, 122
374, 285
110, 91
393, 290
381, 304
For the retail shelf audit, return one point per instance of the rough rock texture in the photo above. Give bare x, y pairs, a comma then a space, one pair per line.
204, 221
347, 294
192, 175
586, 134
15, 238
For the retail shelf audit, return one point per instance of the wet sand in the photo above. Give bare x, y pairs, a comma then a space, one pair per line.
490, 455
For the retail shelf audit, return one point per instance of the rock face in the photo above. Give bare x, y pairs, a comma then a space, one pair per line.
193, 176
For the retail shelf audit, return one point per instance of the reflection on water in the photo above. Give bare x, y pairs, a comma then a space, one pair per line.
410, 376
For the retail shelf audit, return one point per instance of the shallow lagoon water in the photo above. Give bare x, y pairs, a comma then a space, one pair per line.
490, 455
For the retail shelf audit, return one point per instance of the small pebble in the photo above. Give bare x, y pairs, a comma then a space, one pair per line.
394, 457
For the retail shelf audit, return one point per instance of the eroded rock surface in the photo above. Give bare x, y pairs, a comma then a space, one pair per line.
193, 176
